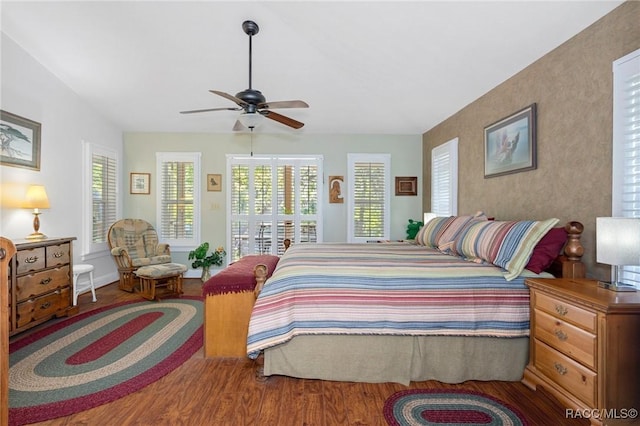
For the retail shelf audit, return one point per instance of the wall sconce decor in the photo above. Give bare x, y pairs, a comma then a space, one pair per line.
36, 199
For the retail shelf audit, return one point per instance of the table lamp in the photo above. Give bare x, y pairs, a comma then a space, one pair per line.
618, 244
36, 199
428, 216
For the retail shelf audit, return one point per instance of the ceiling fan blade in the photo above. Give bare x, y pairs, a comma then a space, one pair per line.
230, 97
282, 119
284, 104
210, 109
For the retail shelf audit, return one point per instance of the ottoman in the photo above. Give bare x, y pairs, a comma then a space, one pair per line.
167, 275
229, 298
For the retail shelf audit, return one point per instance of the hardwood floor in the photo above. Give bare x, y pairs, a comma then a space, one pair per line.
226, 391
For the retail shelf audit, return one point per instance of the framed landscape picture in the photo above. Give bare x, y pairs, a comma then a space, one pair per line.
20, 138
510, 144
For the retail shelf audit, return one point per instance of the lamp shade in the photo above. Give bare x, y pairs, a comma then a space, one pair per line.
36, 198
428, 216
618, 240
250, 120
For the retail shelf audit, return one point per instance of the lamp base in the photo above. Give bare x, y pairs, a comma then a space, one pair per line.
36, 236
620, 287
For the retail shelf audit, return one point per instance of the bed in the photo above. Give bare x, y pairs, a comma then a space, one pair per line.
439, 309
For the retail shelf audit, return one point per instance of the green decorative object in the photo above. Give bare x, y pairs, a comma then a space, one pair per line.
412, 229
204, 261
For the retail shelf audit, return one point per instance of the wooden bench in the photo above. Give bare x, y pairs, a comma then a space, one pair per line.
229, 298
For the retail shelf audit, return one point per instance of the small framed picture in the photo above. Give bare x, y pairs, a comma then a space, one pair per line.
406, 185
214, 182
140, 183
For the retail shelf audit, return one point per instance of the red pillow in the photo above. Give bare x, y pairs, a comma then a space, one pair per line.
547, 250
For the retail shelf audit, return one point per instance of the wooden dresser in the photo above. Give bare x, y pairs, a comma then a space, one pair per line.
40, 282
585, 348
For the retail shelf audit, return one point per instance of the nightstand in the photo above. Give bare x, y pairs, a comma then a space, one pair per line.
585, 346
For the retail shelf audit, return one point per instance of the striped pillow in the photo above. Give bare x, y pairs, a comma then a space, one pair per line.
441, 232
507, 244
429, 233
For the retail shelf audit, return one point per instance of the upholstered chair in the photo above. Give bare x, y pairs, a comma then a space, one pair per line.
134, 243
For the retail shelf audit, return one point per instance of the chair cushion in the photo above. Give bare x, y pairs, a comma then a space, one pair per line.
154, 260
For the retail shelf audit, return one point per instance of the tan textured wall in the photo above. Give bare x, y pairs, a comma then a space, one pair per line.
572, 87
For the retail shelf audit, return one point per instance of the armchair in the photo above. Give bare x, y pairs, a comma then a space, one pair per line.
134, 243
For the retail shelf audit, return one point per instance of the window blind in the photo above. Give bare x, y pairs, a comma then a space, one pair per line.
444, 179
103, 195
369, 197
626, 146
177, 200
272, 198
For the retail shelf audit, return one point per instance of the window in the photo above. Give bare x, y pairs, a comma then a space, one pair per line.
270, 199
444, 179
178, 198
101, 206
626, 146
369, 197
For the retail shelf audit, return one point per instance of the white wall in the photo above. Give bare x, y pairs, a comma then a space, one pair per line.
31, 91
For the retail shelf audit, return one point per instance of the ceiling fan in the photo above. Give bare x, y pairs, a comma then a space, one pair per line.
252, 101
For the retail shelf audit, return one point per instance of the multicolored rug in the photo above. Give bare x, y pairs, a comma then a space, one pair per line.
448, 407
99, 356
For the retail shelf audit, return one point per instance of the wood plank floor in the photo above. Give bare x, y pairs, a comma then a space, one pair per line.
226, 391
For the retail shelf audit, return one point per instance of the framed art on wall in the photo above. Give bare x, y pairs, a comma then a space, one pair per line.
406, 185
214, 182
140, 183
510, 144
20, 138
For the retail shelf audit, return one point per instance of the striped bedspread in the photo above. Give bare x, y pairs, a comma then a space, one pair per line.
391, 289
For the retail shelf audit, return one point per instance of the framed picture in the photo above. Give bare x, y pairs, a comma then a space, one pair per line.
510, 144
335, 189
140, 183
20, 138
214, 182
406, 185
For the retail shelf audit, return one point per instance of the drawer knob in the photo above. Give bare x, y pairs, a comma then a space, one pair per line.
561, 310
58, 254
31, 259
45, 305
561, 335
562, 370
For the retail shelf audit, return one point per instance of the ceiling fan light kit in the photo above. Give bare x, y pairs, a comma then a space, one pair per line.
253, 102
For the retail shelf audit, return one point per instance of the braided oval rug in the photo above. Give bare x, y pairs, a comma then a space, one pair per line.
99, 356
417, 407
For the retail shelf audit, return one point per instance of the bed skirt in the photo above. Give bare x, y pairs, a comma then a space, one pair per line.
400, 359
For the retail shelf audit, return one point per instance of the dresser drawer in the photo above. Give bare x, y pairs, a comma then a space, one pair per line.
568, 339
57, 255
575, 378
32, 285
42, 307
566, 311
30, 260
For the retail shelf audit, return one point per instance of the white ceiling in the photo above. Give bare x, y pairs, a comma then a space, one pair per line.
363, 67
